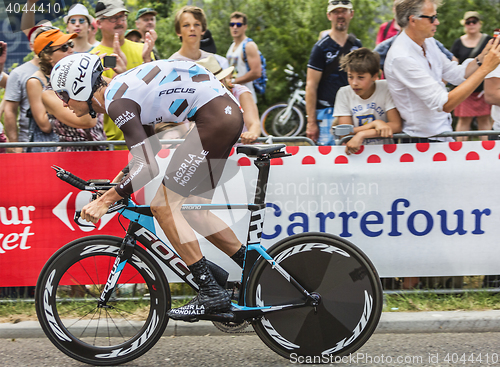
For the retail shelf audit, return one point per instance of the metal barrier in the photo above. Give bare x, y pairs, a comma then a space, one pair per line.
450, 134
112, 143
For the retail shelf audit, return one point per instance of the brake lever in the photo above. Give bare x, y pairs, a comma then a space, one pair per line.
77, 218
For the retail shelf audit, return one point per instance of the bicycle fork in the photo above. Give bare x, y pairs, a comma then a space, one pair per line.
125, 254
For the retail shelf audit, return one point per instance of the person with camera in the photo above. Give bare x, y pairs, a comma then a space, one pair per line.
415, 69
112, 21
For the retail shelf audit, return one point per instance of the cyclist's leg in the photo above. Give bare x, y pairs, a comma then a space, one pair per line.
212, 227
218, 126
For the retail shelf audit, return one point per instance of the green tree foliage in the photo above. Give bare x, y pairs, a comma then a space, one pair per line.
286, 30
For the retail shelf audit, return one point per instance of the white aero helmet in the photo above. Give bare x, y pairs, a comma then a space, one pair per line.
75, 76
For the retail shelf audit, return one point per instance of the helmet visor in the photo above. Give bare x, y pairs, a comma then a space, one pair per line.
63, 95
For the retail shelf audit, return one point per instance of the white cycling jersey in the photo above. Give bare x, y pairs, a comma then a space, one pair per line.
165, 90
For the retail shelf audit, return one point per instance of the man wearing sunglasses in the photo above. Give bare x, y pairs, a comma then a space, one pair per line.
112, 21
244, 75
415, 69
324, 77
78, 21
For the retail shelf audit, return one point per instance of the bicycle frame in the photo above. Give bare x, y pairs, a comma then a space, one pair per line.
142, 229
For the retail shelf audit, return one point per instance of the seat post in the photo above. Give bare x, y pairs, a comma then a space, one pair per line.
263, 164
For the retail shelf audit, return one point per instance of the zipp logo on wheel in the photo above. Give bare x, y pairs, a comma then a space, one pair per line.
66, 209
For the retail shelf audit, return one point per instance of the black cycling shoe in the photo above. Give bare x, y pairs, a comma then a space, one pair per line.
211, 298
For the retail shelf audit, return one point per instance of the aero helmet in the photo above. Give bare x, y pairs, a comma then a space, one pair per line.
75, 77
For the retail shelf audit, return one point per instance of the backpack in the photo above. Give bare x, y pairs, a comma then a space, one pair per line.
260, 83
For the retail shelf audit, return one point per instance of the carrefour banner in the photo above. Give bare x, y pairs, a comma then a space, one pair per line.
414, 209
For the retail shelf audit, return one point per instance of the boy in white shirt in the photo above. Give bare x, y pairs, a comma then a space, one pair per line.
366, 102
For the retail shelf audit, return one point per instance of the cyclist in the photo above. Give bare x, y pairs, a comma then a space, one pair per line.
165, 91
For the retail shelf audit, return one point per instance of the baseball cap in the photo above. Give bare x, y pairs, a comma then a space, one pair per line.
335, 4
145, 11
52, 38
133, 31
211, 64
108, 8
78, 9
470, 14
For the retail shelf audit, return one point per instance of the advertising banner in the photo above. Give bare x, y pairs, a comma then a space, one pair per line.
414, 209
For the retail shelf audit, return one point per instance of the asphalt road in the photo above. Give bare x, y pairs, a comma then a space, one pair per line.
436, 350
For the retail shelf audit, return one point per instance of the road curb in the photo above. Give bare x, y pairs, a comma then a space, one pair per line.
390, 323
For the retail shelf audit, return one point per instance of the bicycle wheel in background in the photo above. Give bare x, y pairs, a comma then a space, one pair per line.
345, 279
273, 121
67, 294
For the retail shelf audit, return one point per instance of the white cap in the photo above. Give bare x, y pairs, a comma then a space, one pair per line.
78, 9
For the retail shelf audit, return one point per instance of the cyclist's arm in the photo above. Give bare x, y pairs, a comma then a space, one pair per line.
253, 59
55, 107
141, 141
312, 83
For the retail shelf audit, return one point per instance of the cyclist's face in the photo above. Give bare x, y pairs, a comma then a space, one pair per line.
79, 108
191, 28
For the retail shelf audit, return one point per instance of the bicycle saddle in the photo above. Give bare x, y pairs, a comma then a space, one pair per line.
259, 150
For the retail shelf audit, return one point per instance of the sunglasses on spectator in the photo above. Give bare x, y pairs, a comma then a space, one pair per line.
238, 24
65, 47
432, 18
63, 96
116, 18
337, 2
471, 21
80, 20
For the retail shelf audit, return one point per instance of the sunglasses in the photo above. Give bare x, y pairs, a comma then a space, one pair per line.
472, 21
65, 47
63, 96
432, 18
80, 20
337, 2
239, 25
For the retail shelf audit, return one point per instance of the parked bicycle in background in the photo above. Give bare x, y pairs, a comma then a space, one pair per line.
287, 119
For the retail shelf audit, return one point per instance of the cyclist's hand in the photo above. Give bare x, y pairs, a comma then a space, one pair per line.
247, 137
382, 129
354, 144
312, 131
94, 210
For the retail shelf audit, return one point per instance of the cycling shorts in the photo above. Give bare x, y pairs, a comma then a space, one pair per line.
197, 164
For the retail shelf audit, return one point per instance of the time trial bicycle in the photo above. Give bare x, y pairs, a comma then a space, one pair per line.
103, 300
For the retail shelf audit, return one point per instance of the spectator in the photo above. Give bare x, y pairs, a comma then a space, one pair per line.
492, 96
3, 83
92, 33
16, 100
207, 43
246, 70
133, 35
251, 129
171, 131
366, 102
324, 78
51, 46
388, 29
415, 69
112, 21
50, 43
190, 26
78, 21
145, 21
469, 46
